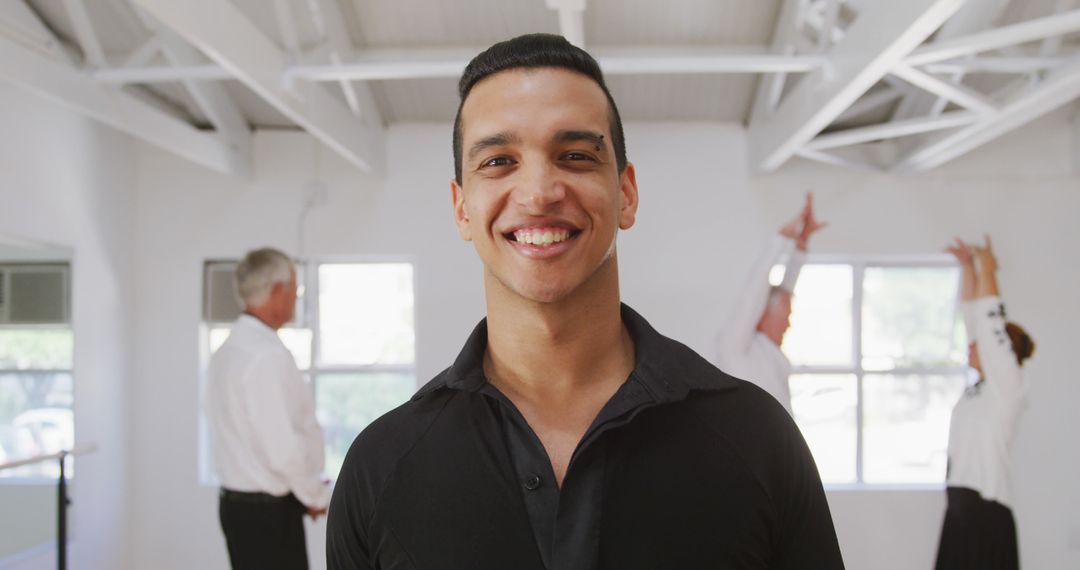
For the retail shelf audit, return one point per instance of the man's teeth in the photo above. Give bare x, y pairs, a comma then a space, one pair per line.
541, 237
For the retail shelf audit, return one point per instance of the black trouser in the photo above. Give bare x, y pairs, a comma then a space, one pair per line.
263, 532
977, 534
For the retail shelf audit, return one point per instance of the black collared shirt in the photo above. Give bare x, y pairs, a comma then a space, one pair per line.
685, 467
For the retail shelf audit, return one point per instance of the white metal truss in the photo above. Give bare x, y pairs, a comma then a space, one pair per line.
842, 56
1060, 87
46, 69
229, 38
882, 36
66, 85
1048, 81
331, 23
571, 19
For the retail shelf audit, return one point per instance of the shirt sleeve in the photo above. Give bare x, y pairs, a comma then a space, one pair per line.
347, 543
738, 332
807, 535
282, 408
985, 318
792, 268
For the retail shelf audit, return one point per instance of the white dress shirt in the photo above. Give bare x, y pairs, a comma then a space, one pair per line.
745, 352
985, 419
262, 418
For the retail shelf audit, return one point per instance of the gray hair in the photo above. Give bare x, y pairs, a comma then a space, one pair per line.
257, 273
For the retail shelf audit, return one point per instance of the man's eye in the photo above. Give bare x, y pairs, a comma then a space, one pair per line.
497, 161
577, 156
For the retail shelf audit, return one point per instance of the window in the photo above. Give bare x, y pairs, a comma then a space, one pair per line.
879, 358
353, 337
36, 353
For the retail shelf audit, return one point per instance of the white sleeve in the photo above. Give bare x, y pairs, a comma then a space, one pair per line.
738, 332
282, 409
795, 261
985, 317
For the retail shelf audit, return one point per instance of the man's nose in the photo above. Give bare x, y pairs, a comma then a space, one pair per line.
539, 187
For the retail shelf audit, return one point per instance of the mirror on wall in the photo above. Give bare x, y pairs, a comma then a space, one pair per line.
36, 356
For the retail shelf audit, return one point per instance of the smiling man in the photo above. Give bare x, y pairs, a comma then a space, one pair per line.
568, 433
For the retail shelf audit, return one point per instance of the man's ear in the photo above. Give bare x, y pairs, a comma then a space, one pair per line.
628, 197
461, 212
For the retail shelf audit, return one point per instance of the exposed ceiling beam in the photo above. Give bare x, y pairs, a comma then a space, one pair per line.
84, 31
974, 16
229, 38
990, 64
144, 53
22, 25
870, 102
963, 96
73, 89
216, 103
428, 63
997, 38
331, 22
391, 64
161, 74
882, 35
826, 158
571, 20
890, 130
1060, 87
286, 21
771, 87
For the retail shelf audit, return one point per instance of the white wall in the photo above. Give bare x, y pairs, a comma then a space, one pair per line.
701, 220
69, 182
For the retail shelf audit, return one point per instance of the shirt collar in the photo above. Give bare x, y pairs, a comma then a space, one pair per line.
254, 324
668, 369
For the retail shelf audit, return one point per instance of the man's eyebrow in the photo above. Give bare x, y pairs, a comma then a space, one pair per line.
498, 139
597, 139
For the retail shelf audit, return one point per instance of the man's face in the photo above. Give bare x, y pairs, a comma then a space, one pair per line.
541, 197
285, 299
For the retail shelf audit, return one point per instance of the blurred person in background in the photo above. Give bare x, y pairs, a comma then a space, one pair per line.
749, 344
979, 531
268, 446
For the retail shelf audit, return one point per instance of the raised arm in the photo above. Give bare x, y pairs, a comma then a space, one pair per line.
986, 283
809, 225
965, 257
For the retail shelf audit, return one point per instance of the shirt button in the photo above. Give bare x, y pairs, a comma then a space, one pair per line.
532, 483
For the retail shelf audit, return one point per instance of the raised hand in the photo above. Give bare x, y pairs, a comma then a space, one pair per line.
810, 224
985, 255
962, 251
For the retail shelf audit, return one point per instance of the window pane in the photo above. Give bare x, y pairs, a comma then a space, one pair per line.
906, 426
347, 403
366, 314
909, 315
820, 331
824, 406
298, 341
36, 349
35, 419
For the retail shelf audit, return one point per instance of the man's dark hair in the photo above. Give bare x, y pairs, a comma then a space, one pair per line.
533, 51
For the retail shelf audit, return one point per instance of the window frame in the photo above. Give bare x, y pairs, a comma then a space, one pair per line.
64, 267
859, 264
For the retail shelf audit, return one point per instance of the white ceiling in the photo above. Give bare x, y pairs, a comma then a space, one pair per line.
382, 27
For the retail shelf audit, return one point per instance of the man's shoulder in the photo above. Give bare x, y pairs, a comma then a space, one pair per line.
379, 448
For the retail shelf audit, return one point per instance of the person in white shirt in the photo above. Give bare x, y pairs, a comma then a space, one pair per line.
979, 531
268, 446
749, 344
